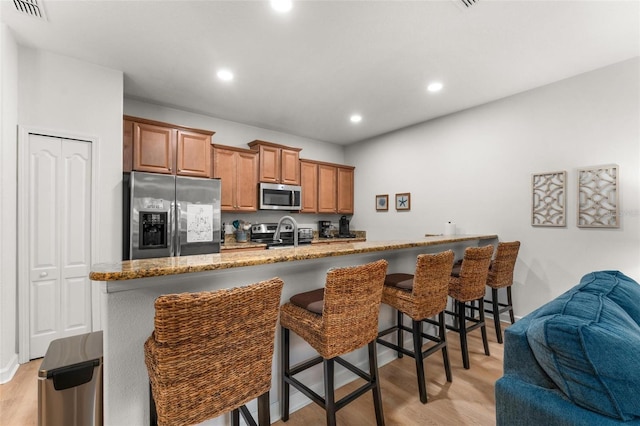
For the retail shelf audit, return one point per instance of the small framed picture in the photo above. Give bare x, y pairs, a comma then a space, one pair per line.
382, 203
403, 201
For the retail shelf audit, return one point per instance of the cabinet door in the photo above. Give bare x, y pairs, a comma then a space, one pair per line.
127, 145
290, 167
309, 183
246, 182
345, 189
327, 193
224, 168
153, 148
193, 154
269, 164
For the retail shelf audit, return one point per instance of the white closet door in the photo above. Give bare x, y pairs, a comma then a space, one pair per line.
59, 240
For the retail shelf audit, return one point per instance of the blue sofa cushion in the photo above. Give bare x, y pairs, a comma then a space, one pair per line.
591, 350
617, 287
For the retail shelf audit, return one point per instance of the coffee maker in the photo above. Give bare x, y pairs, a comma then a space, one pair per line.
344, 227
324, 228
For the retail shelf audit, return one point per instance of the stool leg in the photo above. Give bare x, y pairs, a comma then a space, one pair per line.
417, 350
463, 334
264, 414
284, 385
329, 397
510, 302
496, 314
153, 414
483, 328
445, 350
373, 372
400, 338
235, 417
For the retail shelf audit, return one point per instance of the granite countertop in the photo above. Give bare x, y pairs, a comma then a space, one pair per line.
145, 268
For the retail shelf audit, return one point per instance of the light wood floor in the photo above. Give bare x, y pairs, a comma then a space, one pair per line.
468, 400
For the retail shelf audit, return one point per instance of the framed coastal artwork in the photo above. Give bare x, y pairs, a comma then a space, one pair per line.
382, 203
403, 201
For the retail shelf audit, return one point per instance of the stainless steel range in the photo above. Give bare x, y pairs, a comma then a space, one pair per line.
264, 232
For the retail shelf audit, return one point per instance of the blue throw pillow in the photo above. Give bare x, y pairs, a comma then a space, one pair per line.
617, 287
591, 351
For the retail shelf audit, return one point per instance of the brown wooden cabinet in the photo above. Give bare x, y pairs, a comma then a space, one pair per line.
345, 176
237, 168
127, 145
153, 148
164, 148
309, 184
326, 187
193, 154
278, 163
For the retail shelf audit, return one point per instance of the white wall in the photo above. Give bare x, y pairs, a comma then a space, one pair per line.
64, 96
475, 167
8, 131
235, 134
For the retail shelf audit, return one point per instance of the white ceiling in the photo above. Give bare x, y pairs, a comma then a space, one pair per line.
306, 72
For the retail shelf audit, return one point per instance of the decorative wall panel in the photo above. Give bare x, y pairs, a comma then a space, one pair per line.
549, 199
598, 197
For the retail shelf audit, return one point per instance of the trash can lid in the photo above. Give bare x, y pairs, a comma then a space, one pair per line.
70, 351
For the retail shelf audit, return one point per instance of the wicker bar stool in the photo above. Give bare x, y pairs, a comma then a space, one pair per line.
420, 296
335, 320
501, 276
211, 352
466, 286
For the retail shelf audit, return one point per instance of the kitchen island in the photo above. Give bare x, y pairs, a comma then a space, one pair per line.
128, 290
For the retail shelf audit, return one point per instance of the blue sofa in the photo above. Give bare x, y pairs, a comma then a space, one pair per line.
576, 359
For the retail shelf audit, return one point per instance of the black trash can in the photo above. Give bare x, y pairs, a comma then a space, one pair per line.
70, 382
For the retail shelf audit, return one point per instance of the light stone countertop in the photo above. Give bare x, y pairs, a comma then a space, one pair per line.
145, 268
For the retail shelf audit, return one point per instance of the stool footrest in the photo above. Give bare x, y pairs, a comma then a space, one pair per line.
304, 365
315, 397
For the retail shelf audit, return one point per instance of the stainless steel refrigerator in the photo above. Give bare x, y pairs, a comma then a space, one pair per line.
166, 215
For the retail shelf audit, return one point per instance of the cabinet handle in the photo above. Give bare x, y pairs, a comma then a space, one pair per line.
43, 274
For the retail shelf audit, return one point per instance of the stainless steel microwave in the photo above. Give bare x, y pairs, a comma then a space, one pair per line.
275, 196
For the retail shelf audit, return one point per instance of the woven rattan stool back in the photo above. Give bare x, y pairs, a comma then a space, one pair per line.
352, 298
501, 272
470, 285
431, 284
211, 352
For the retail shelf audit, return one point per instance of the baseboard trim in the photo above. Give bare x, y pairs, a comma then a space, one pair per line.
7, 373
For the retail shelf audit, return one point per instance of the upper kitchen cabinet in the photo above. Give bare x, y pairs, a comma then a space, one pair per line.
309, 184
278, 163
127, 145
237, 168
193, 154
334, 188
327, 188
345, 189
158, 147
153, 148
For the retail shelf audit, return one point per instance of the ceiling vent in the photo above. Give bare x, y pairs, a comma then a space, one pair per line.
32, 8
468, 3
465, 4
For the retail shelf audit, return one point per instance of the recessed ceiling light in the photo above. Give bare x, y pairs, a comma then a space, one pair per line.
281, 6
436, 86
225, 75
356, 118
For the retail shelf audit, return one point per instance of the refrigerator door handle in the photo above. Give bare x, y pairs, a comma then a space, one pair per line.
171, 230
177, 228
